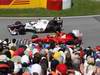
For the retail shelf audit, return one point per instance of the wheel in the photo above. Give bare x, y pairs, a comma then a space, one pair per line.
18, 22
52, 29
57, 29
21, 31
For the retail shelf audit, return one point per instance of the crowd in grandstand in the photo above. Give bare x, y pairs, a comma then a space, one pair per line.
57, 54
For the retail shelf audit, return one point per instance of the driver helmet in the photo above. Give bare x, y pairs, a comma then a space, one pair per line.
77, 33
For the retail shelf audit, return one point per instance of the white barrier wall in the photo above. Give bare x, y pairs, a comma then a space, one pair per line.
66, 4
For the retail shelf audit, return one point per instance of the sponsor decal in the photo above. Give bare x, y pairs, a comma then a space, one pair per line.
21, 2
14, 2
5, 2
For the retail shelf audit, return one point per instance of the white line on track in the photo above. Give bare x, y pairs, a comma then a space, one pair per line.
47, 17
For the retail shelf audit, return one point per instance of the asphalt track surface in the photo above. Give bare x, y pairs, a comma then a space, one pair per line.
90, 26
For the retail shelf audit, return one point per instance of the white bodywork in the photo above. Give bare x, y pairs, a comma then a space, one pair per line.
38, 26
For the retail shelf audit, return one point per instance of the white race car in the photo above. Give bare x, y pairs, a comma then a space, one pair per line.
45, 25
41, 25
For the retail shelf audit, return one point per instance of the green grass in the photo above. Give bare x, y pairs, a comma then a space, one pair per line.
79, 8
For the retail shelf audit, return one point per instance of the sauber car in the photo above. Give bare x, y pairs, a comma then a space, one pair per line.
40, 25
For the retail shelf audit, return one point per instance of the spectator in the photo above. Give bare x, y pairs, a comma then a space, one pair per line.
36, 69
97, 66
61, 69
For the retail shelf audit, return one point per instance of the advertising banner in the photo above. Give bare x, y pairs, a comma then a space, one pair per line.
49, 4
23, 3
